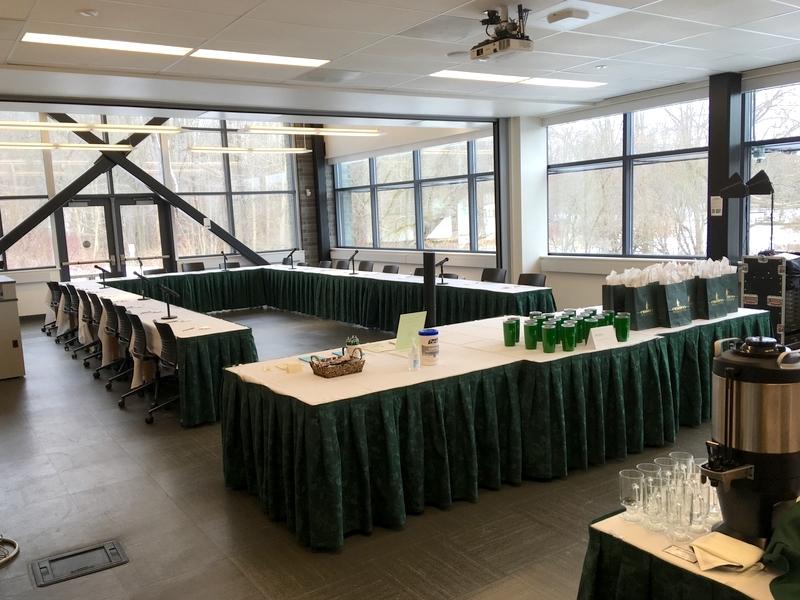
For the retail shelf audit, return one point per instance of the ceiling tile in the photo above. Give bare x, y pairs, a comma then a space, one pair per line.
616, 69
207, 68
16, 9
726, 13
130, 17
451, 86
10, 30
739, 63
389, 64
630, 4
783, 54
355, 79
645, 27
546, 61
720, 40
228, 7
786, 25
103, 33
87, 58
476, 8
583, 44
437, 6
5, 48
446, 28
292, 40
351, 16
675, 55
409, 48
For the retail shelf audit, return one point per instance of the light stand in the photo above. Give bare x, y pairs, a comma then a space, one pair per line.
167, 293
759, 185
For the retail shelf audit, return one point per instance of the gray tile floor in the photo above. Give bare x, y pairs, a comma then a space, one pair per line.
75, 469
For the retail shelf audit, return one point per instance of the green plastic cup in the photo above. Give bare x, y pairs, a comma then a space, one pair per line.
549, 338
568, 336
509, 333
540, 321
569, 312
517, 328
622, 326
579, 324
608, 317
590, 324
531, 336
534, 314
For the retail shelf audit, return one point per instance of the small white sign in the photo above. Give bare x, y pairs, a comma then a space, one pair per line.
716, 206
602, 338
207, 223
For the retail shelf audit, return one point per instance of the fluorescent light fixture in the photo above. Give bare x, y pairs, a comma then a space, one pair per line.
472, 76
568, 83
301, 130
241, 150
121, 128
42, 126
26, 146
269, 59
101, 44
105, 147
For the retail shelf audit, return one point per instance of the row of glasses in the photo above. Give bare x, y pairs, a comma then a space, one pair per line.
668, 495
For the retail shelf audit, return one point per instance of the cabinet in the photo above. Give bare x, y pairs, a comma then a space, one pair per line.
12, 363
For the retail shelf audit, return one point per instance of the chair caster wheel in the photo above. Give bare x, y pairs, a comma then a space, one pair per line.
86, 364
121, 403
149, 419
48, 334
96, 375
108, 385
140, 394
74, 356
58, 341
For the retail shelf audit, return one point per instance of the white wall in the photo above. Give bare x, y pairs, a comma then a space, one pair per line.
32, 291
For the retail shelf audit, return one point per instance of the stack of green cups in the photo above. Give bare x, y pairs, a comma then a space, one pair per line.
540, 320
568, 336
509, 332
517, 328
579, 324
534, 314
608, 317
549, 337
531, 334
590, 324
622, 326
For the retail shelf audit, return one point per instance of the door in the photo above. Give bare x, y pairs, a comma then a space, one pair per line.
87, 230
144, 239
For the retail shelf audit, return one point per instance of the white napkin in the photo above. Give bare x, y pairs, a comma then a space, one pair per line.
719, 550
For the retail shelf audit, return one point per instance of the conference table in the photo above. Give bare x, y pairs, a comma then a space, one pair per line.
205, 346
335, 456
369, 299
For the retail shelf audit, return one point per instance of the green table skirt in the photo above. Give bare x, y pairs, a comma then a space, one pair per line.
373, 303
201, 363
347, 466
690, 354
616, 570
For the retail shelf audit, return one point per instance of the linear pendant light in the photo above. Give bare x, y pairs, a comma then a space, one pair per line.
242, 150
107, 127
103, 44
271, 59
46, 146
301, 130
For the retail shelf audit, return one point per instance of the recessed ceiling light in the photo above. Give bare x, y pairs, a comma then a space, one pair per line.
472, 76
301, 130
601, 67
89, 12
569, 83
240, 150
83, 42
270, 59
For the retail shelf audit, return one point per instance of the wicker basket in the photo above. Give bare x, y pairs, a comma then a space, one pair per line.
337, 366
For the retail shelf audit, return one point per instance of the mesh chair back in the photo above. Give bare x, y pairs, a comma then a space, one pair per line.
55, 294
494, 275
342, 264
155, 271
97, 307
139, 336
534, 279
391, 268
419, 271
192, 266
86, 306
124, 330
169, 345
325, 264
111, 316
366, 265
450, 276
74, 299
231, 265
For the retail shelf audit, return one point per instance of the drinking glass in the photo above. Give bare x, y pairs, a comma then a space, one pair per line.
549, 337
679, 501
530, 334
534, 314
568, 336
540, 320
508, 332
684, 464
622, 326
631, 483
516, 328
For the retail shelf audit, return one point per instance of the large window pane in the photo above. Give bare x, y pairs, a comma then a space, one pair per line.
21, 171
585, 212
484, 155
69, 164
397, 218
670, 208
486, 220
585, 140
353, 173
265, 221
783, 168
195, 171
355, 218
445, 210
260, 172
141, 235
776, 112
35, 249
444, 161
395, 167
87, 239
191, 238
671, 127
146, 155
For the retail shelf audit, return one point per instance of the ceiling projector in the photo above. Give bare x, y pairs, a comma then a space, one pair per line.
505, 35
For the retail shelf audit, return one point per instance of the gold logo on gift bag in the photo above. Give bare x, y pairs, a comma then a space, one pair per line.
646, 310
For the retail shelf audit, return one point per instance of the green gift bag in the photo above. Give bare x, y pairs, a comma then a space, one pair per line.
710, 301
614, 297
674, 304
731, 283
642, 304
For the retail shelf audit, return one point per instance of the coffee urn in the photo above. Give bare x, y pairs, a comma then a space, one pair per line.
754, 453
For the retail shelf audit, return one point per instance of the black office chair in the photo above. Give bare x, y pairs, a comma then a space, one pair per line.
124, 335
110, 329
189, 267
155, 271
419, 272
449, 275
342, 264
167, 368
86, 317
97, 313
55, 298
534, 279
140, 352
494, 275
231, 265
366, 265
325, 264
391, 269
72, 309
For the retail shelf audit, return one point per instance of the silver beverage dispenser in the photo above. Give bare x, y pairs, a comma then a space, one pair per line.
754, 453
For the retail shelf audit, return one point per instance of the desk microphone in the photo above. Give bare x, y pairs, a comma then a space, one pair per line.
224, 264
352, 261
290, 259
144, 282
440, 264
103, 273
170, 292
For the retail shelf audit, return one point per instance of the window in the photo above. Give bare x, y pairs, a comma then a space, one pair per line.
195, 171
69, 164
146, 155
191, 238
661, 211
34, 250
265, 221
773, 142
438, 197
260, 172
21, 172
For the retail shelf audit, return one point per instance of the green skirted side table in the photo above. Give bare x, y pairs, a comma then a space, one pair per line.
332, 469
